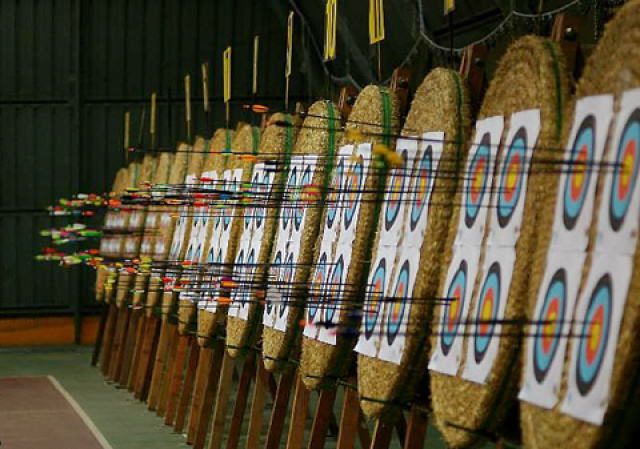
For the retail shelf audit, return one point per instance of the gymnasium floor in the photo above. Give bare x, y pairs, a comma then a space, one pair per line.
124, 422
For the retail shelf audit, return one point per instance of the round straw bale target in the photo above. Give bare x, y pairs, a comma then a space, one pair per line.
196, 251
297, 231
119, 184
151, 224
440, 105
468, 405
254, 233
345, 241
614, 69
167, 221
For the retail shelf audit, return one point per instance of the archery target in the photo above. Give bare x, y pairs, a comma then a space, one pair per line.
334, 198
625, 174
314, 310
453, 314
287, 281
550, 327
273, 293
250, 211
289, 201
597, 327
334, 295
353, 193
478, 179
239, 270
305, 181
574, 208
398, 309
489, 309
394, 202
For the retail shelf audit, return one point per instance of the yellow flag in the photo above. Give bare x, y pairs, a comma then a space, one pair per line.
376, 21
226, 62
331, 18
449, 5
287, 71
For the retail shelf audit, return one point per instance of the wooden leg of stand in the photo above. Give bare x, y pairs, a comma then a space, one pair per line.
120, 340
129, 347
417, 429
382, 435
166, 380
209, 395
187, 388
108, 340
349, 420
222, 399
137, 351
158, 365
257, 406
279, 412
363, 430
100, 336
240, 405
175, 380
147, 355
401, 427
324, 412
204, 366
298, 415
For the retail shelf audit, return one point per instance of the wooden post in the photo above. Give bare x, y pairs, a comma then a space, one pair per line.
100, 336
204, 366
279, 411
472, 69
120, 338
147, 355
158, 366
565, 31
350, 421
137, 351
204, 414
108, 340
129, 347
237, 417
298, 415
381, 435
417, 429
257, 406
322, 418
166, 380
175, 381
187, 388
222, 398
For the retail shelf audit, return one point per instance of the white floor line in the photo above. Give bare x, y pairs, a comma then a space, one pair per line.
92, 427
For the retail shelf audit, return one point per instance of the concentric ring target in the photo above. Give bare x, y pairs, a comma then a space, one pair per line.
453, 307
276, 275
595, 335
288, 281
354, 190
317, 287
423, 181
511, 177
579, 175
396, 188
289, 202
299, 207
549, 327
250, 211
399, 302
626, 170
478, 177
487, 312
376, 294
334, 290
263, 188
238, 295
335, 194
250, 268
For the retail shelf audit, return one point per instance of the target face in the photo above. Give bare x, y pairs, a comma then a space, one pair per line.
511, 177
299, 209
354, 188
478, 176
376, 295
317, 284
398, 305
394, 199
625, 173
595, 335
335, 287
423, 181
335, 194
453, 308
487, 312
290, 202
276, 273
579, 176
263, 188
287, 280
548, 331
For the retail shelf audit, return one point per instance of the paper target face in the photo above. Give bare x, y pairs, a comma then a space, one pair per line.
456, 294
398, 306
595, 335
334, 204
250, 211
579, 172
276, 277
263, 189
335, 287
237, 294
487, 312
289, 202
625, 173
287, 281
548, 332
314, 307
307, 177
423, 184
478, 180
395, 188
374, 305
511, 178
353, 193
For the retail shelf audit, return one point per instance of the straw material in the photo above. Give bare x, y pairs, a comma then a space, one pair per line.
277, 346
162, 243
152, 221
240, 333
131, 244
530, 75
119, 184
133, 170
440, 104
213, 162
612, 69
321, 363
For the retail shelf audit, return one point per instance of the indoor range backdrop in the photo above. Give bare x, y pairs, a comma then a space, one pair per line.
69, 69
